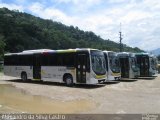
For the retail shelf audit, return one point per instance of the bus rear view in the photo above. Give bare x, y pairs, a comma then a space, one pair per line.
147, 64
128, 65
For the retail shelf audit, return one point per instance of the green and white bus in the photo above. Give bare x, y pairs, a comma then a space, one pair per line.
128, 65
147, 64
112, 65
68, 66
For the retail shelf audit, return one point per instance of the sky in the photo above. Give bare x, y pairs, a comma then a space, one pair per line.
139, 19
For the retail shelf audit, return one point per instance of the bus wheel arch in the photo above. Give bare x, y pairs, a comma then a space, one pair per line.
24, 76
68, 79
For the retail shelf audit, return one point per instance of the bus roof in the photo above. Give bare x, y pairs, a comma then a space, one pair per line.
126, 54
108, 51
41, 51
142, 53
145, 54
25, 52
37, 51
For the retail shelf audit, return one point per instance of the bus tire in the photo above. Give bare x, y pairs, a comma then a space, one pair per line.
68, 80
24, 77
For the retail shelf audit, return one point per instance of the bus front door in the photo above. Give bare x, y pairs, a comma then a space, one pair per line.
36, 67
81, 68
124, 62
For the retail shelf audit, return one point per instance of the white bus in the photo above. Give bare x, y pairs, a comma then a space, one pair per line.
128, 65
65, 66
112, 66
147, 64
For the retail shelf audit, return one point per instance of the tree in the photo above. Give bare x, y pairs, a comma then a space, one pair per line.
2, 46
23, 31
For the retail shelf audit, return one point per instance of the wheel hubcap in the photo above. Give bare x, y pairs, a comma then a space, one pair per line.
24, 77
68, 80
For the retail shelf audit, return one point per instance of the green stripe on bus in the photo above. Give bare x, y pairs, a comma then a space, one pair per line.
65, 51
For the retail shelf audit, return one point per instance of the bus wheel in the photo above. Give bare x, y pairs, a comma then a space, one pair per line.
69, 80
24, 77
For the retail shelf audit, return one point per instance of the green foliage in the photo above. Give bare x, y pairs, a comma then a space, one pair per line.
22, 31
2, 46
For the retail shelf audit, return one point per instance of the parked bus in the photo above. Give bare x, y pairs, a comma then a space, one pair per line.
158, 67
147, 64
128, 65
65, 66
112, 65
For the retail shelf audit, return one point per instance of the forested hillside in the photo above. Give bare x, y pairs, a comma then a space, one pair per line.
21, 31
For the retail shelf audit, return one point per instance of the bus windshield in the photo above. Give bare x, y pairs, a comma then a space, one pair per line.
98, 62
114, 62
133, 64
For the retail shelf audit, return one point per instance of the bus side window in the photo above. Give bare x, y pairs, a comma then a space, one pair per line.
7, 60
69, 59
59, 60
14, 60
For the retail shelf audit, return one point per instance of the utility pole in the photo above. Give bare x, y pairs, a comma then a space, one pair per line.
120, 38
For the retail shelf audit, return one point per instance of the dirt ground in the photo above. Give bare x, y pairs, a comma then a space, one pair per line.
126, 96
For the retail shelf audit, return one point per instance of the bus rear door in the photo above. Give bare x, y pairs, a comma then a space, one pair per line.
36, 66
